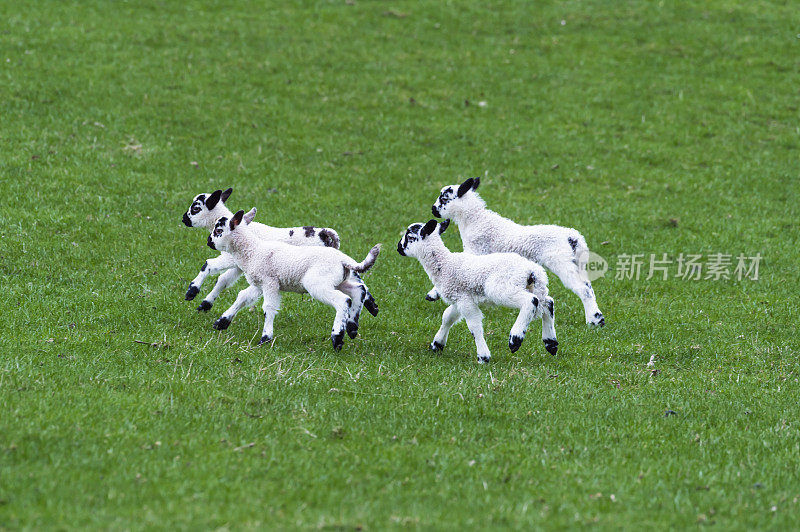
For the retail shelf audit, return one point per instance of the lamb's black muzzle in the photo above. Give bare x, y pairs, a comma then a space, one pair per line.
435, 211
211, 243
400, 248
186, 221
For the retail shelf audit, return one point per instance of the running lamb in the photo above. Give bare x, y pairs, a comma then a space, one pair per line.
466, 281
562, 250
206, 209
273, 267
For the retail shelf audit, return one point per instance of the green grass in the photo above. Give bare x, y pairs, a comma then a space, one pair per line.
114, 115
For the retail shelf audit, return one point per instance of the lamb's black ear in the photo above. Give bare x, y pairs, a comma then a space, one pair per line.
475, 183
443, 226
226, 194
213, 199
237, 219
465, 187
428, 229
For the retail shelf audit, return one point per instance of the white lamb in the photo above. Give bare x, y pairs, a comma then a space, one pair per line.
206, 209
562, 250
466, 281
273, 267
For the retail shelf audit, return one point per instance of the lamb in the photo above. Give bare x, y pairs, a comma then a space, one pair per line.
206, 209
272, 267
465, 281
562, 250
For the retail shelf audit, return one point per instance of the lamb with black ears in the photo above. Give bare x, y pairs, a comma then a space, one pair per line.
562, 250
206, 209
465, 281
273, 267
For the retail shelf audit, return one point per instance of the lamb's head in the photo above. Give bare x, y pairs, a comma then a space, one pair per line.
207, 208
453, 198
420, 236
225, 228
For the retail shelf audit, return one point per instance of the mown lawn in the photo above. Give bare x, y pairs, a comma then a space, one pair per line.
670, 127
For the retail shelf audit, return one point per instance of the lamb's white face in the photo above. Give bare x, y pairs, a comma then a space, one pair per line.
224, 228
220, 234
412, 240
409, 243
206, 208
450, 196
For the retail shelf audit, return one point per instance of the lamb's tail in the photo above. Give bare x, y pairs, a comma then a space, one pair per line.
368, 262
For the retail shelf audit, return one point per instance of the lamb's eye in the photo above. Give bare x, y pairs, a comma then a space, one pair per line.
195, 209
217, 232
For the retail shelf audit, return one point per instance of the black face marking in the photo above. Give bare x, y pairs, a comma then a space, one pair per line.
309, 231
445, 197
186, 220
219, 227
573, 243
210, 243
291, 232
411, 235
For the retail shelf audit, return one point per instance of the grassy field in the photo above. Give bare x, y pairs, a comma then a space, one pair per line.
669, 127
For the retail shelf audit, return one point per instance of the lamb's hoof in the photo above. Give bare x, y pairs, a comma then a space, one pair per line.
484, 359
371, 306
352, 329
551, 346
514, 342
205, 306
598, 320
430, 297
265, 339
192, 292
436, 346
222, 324
337, 340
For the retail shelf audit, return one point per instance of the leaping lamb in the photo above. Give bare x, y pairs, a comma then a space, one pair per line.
206, 209
273, 267
466, 281
562, 250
